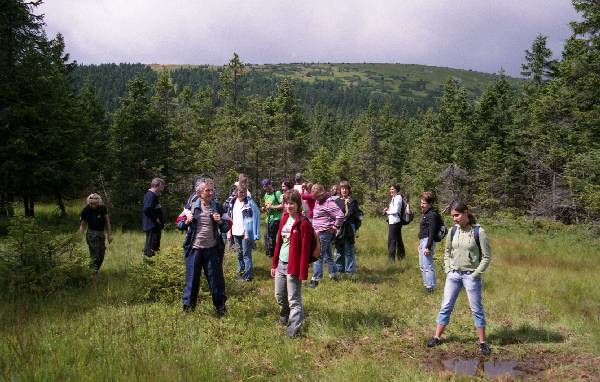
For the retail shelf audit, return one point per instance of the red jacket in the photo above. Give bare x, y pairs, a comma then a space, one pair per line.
300, 242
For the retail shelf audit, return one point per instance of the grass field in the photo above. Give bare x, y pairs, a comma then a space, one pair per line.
541, 295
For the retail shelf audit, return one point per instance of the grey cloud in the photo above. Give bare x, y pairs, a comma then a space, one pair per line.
471, 34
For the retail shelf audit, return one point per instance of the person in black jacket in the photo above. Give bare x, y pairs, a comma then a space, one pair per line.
152, 217
428, 229
345, 256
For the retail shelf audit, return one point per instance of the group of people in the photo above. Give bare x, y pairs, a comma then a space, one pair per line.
299, 218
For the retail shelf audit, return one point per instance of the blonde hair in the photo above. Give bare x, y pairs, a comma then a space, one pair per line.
94, 197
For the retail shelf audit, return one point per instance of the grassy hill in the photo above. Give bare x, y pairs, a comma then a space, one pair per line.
403, 80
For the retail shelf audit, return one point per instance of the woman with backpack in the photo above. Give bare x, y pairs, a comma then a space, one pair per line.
345, 260
394, 212
290, 262
429, 230
467, 256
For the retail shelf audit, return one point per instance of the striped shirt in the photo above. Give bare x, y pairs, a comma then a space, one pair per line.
327, 215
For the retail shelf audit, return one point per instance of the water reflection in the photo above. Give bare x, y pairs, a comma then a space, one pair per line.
481, 368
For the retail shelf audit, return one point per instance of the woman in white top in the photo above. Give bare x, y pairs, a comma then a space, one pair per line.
393, 211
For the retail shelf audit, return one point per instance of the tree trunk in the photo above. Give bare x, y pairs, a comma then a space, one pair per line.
60, 202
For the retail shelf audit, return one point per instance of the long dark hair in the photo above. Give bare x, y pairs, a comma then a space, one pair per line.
463, 208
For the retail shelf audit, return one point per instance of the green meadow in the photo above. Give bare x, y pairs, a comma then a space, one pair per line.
541, 295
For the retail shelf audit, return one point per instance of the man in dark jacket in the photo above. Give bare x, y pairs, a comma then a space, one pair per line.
152, 218
428, 230
204, 248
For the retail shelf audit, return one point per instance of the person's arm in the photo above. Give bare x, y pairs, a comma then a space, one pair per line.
108, 229
306, 236
486, 255
335, 212
255, 221
434, 226
306, 195
275, 259
82, 226
280, 200
149, 205
447, 253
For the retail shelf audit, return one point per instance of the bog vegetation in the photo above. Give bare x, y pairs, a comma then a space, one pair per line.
541, 298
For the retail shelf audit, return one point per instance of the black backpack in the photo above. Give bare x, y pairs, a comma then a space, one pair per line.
443, 230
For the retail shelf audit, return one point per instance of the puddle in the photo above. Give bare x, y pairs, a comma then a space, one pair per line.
480, 367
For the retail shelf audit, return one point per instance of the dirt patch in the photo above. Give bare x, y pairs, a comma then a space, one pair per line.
539, 366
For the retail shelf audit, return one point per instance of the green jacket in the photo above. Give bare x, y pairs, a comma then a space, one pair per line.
462, 253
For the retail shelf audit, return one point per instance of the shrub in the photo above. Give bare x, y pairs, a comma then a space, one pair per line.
33, 259
162, 277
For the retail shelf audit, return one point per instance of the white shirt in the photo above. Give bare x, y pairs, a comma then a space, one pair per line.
237, 229
395, 209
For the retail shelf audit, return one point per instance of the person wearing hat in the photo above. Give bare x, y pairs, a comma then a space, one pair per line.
273, 206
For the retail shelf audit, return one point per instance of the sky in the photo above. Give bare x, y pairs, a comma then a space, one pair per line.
482, 35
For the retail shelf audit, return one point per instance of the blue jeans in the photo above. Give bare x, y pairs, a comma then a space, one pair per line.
455, 280
212, 263
345, 256
426, 264
325, 239
244, 253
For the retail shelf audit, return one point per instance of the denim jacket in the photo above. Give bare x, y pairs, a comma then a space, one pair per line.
251, 215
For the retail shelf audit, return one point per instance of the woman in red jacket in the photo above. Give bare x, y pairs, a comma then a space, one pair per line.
290, 262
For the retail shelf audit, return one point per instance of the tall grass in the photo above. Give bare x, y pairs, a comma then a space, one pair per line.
541, 294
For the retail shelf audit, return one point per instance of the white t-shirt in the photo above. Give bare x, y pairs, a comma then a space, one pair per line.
298, 187
395, 209
237, 229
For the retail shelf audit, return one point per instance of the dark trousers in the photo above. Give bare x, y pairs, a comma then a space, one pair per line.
395, 244
211, 261
152, 244
95, 242
271, 236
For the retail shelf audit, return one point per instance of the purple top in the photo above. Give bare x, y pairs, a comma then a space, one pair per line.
327, 214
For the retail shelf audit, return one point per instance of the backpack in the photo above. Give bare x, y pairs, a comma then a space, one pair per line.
406, 213
475, 233
359, 218
442, 231
315, 245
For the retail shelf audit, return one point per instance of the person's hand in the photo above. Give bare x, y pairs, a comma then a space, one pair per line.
273, 272
385, 210
426, 252
188, 218
217, 217
110, 238
229, 235
246, 236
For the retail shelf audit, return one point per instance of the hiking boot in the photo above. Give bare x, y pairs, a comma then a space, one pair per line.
283, 320
188, 309
485, 349
313, 284
434, 341
221, 311
429, 290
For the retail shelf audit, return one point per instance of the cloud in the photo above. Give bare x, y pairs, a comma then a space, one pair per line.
471, 34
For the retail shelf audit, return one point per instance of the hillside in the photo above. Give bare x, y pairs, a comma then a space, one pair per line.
345, 88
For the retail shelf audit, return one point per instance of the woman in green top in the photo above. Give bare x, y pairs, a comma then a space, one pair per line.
467, 256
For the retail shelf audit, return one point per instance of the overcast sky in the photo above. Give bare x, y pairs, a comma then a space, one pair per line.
482, 35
